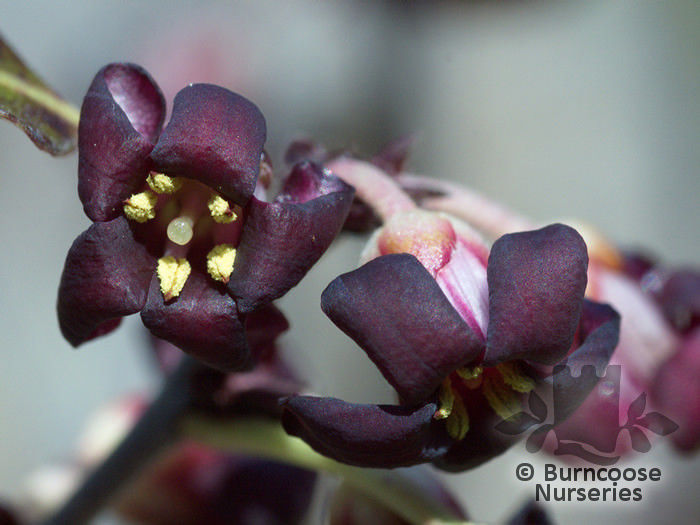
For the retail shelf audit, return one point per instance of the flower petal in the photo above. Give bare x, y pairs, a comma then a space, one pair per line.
105, 277
398, 314
382, 436
120, 119
572, 381
202, 321
262, 329
216, 137
281, 240
575, 378
536, 284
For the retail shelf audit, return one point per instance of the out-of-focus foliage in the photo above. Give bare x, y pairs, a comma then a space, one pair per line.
27, 101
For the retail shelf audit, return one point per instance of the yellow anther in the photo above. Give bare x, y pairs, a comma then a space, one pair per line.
502, 399
447, 399
453, 411
220, 210
141, 207
172, 274
469, 373
161, 183
457, 423
513, 377
220, 262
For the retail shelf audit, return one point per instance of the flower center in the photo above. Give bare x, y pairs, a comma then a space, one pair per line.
501, 386
197, 211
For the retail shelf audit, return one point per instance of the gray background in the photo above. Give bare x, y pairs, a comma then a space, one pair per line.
582, 110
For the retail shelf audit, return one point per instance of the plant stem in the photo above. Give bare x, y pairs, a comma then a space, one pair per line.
41, 96
377, 189
477, 209
266, 438
153, 431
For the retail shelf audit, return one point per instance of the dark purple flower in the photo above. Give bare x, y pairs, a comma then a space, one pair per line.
181, 230
460, 339
659, 311
256, 391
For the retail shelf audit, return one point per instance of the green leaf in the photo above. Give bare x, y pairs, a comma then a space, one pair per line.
50, 121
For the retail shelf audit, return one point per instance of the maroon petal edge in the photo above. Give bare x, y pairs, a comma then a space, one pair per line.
397, 313
282, 240
214, 136
536, 284
382, 436
572, 381
105, 277
120, 119
202, 321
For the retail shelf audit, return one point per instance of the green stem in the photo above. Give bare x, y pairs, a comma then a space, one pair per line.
266, 438
42, 96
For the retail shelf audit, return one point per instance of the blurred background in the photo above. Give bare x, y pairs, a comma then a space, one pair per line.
558, 109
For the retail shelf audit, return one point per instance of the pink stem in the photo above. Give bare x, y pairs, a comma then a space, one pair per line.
373, 186
481, 212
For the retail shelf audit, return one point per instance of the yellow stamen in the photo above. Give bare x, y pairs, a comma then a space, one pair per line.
180, 230
161, 183
513, 377
172, 274
220, 210
453, 411
457, 423
471, 377
501, 398
220, 262
141, 207
447, 399
469, 373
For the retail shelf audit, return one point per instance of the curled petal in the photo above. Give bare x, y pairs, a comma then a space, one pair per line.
216, 137
572, 382
575, 378
398, 314
380, 436
202, 321
536, 284
105, 277
282, 240
120, 119
483, 441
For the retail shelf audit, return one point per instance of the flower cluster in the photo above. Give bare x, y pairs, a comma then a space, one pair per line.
468, 334
461, 333
181, 230
659, 350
